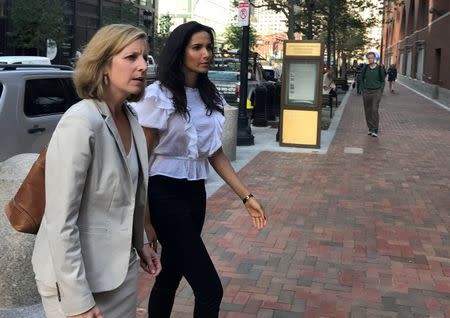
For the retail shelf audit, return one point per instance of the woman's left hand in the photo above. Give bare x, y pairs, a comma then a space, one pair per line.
256, 212
149, 260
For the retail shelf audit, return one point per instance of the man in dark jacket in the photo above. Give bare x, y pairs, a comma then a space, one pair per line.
372, 86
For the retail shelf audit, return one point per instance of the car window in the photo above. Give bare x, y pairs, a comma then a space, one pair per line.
223, 76
45, 97
72, 96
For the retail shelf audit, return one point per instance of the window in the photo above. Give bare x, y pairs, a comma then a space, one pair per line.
420, 61
402, 63
48, 96
408, 62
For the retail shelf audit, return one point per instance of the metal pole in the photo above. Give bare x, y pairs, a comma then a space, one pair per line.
244, 134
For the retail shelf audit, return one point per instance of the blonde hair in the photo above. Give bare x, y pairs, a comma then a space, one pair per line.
97, 57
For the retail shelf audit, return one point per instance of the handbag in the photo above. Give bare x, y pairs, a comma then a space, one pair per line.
26, 209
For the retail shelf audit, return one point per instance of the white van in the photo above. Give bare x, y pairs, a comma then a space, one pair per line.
41, 60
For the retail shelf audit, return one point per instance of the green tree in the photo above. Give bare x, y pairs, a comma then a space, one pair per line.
233, 36
36, 21
164, 26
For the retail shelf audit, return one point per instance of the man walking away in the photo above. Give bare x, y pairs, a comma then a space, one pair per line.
372, 86
392, 76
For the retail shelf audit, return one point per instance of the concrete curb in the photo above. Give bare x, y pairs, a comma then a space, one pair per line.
425, 96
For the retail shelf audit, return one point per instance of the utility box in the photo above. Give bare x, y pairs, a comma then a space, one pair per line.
301, 94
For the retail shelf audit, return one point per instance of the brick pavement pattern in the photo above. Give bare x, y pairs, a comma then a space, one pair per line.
349, 235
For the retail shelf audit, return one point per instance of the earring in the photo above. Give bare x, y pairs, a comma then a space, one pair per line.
105, 79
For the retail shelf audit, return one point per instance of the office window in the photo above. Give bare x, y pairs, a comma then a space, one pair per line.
408, 63
420, 62
402, 63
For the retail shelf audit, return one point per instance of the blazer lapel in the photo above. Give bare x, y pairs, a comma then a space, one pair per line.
106, 114
136, 130
139, 140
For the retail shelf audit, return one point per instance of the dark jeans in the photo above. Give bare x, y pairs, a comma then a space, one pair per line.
177, 209
332, 94
371, 100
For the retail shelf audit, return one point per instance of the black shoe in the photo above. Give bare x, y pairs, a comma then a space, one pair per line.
374, 133
370, 132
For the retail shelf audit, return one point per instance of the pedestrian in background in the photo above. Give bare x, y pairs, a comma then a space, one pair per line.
182, 116
392, 76
84, 256
329, 87
372, 87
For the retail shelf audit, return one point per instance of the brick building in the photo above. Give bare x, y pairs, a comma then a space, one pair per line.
416, 38
83, 18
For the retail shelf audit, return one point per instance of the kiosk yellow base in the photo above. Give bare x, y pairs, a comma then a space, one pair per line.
300, 127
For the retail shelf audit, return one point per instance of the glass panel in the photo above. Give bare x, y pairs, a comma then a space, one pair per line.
45, 97
302, 82
223, 76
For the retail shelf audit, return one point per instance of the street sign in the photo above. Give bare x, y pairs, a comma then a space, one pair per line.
243, 14
52, 49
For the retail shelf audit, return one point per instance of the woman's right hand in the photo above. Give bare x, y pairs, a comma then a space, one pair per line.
94, 312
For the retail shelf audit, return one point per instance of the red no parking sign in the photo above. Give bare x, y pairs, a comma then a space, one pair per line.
243, 13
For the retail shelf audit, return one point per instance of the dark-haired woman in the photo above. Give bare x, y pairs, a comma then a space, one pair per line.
182, 117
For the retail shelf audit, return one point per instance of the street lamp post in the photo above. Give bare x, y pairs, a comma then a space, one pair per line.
244, 134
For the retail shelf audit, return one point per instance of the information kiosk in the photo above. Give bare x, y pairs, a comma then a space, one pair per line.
301, 94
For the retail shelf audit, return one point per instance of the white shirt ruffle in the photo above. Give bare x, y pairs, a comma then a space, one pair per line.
184, 144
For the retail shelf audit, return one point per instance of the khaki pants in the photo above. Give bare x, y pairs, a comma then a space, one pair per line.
371, 100
117, 303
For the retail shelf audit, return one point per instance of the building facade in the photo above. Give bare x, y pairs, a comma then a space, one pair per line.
416, 39
268, 22
82, 19
214, 13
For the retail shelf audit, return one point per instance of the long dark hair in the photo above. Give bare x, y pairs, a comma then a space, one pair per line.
170, 69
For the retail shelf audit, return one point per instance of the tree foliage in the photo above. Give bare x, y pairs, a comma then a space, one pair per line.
233, 36
36, 21
338, 23
164, 26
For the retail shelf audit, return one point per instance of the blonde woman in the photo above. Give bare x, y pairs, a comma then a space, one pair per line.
96, 186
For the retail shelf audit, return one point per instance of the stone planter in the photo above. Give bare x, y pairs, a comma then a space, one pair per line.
229, 137
18, 297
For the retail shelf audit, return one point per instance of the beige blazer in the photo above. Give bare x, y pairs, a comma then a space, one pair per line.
88, 229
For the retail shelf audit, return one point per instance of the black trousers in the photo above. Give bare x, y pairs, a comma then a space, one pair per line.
177, 209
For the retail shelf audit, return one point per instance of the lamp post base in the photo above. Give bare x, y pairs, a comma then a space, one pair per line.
244, 134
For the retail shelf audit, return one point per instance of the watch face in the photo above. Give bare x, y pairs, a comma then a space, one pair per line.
302, 83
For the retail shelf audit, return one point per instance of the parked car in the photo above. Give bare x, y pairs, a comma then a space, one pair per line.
228, 84
151, 71
25, 60
32, 100
230, 61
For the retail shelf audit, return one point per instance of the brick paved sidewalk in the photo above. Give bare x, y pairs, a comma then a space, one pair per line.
349, 235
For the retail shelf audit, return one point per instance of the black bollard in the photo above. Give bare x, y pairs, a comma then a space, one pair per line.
269, 101
259, 110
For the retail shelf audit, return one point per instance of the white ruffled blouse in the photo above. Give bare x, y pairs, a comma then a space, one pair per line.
184, 144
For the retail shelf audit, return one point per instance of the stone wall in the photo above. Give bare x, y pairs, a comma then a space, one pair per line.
438, 93
18, 293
